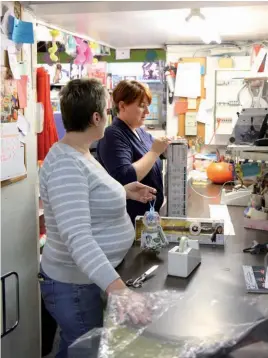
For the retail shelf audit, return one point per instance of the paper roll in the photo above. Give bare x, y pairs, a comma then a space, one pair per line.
183, 243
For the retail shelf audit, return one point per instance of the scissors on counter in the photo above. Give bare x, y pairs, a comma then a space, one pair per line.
138, 282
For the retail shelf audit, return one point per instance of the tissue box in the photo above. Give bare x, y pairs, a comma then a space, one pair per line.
182, 264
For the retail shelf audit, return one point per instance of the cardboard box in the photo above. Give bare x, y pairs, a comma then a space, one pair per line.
206, 231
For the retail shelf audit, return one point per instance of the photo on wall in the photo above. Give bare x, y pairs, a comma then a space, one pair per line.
151, 71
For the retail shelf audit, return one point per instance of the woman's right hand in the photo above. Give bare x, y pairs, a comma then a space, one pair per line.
129, 305
160, 145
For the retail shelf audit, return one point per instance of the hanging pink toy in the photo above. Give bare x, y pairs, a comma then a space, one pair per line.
81, 48
89, 55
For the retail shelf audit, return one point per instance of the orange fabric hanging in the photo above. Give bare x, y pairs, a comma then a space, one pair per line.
49, 135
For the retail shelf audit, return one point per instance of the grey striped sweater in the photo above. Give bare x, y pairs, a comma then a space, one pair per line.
88, 229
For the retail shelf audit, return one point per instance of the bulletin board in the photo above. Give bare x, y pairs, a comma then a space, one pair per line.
200, 126
13, 151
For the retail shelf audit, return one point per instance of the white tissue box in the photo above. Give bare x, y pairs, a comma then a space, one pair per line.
181, 264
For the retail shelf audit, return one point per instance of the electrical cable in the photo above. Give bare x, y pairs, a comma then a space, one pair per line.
210, 197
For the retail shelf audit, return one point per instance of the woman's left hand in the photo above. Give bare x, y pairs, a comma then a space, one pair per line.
140, 192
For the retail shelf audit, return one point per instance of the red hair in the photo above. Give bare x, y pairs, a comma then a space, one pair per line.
129, 92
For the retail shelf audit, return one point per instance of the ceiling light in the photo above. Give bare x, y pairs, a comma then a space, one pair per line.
198, 25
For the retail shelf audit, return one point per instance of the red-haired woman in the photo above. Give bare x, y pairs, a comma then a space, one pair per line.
127, 151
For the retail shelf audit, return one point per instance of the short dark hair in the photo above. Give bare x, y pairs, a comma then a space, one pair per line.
79, 99
129, 92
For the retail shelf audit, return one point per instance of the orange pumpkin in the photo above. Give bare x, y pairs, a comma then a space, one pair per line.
220, 172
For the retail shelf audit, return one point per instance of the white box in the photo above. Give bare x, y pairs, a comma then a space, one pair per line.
182, 264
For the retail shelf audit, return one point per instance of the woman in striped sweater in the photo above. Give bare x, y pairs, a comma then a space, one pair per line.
88, 229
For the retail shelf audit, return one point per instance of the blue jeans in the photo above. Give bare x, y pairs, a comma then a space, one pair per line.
76, 308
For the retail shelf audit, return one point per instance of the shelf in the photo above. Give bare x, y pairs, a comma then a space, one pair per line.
248, 148
249, 152
150, 81
58, 84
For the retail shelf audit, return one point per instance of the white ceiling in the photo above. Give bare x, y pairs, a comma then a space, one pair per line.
154, 24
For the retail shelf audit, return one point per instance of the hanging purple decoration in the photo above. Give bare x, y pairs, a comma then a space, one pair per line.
47, 59
61, 47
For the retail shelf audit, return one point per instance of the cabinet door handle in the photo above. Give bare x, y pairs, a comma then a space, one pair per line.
6, 330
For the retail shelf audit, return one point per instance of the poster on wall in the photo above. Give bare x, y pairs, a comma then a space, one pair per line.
58, 73
9, 101
75, 71
84, 71
98, 70
151, 71
61, 73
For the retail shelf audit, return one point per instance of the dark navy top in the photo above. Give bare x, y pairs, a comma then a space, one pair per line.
119, 148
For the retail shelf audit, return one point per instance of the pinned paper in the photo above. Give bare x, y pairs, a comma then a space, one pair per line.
225, 62
123, 54
188, 80
13, 62
12, 152
190, 124
23, 125
22, 91
23, 32
22, 68
205, 112
191, 103
180, 107
22, 138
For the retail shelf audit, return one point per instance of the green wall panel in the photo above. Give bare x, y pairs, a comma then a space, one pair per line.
138, 56
135, 56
